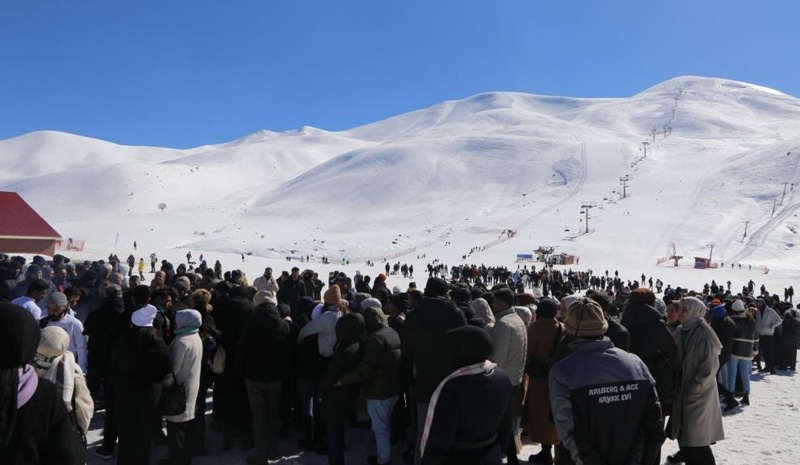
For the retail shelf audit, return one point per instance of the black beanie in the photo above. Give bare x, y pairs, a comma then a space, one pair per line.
436, 287
468, 345
547, 308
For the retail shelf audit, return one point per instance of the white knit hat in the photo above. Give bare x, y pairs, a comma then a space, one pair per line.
144, 316
738, 306
371, 303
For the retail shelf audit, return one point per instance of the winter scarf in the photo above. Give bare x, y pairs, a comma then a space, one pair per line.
187, 322
475, 369
60, 370
697, 310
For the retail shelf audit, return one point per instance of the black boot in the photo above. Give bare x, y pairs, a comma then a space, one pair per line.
746, 399
677, 457
730, 403
544, 457
307, 441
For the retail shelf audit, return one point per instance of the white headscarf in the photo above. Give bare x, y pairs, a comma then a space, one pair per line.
481, 308
697, 310
57, 363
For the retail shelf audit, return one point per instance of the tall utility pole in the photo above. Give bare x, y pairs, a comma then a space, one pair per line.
624, 181
710, 253
585, 206
745, 229
784, 192
644, 145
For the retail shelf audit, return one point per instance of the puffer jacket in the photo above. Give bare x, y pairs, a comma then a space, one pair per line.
766, 321
380, 366
510, 344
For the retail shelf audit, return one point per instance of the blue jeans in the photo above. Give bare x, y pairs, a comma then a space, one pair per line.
724, 374
309, 396
380, 412
742, 367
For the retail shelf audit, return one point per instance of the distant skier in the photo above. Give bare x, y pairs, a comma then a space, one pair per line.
242, 258
134, 245
153, 261
188, 257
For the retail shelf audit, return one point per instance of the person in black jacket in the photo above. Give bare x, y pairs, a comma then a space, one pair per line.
379, 370
35, 427
652, 341
462, 298
263, 356
604, 400
790, 329
104, 327
469, 417
745, 340
424, 346
292, 289
232, 318
139, 363
724, 327
338, 399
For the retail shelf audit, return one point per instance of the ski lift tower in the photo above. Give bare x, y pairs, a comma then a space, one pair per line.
585, 206
675, 257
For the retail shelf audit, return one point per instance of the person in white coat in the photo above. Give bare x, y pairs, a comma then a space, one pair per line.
266, 282
510, 348
57, 315
187, 355
767, 320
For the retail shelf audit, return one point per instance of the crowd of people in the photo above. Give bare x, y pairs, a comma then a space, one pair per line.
595, 369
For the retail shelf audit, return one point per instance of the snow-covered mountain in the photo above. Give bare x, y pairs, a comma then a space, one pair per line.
718, 154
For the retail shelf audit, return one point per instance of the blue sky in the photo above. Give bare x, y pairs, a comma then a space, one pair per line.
184, 73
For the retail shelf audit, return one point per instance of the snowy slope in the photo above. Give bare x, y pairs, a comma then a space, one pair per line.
460, 171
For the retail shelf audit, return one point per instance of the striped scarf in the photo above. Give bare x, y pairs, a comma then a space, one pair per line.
478, 368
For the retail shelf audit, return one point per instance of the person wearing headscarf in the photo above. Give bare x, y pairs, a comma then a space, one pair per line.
338, 399
54, 362
603, 399
186, 351
482, 309
35, 427
140, 362
468, 420
696, 415
544, 334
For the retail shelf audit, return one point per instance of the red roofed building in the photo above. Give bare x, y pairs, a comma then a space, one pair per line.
22, 230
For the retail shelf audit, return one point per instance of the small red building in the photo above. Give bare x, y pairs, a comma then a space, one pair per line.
22, 230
